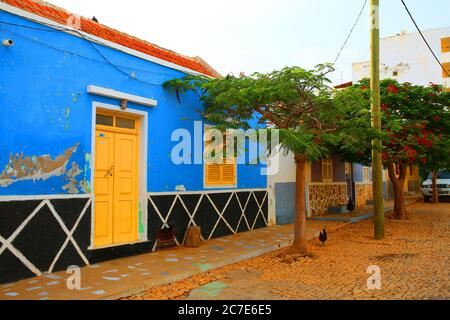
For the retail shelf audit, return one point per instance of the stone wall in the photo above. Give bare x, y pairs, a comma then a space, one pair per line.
323, 196
364, 193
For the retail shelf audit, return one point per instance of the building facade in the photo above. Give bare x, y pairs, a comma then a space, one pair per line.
406, 58
86, 147
329, 183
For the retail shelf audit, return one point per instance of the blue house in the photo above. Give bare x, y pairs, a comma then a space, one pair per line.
86, 147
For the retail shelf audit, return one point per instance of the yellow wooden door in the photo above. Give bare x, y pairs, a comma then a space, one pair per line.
115, 187
103, 188
125, 185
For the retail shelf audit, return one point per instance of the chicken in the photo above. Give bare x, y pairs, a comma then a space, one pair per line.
323, 236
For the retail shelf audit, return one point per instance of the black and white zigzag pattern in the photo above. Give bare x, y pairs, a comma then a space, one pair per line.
218, 214
43, 236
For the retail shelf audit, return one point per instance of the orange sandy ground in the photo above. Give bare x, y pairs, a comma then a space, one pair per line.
414, 261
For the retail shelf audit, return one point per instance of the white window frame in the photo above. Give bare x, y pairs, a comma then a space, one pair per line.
366, 174
207, 127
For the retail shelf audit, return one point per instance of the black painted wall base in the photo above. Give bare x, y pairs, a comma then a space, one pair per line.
218, 214
32, 237
35, 236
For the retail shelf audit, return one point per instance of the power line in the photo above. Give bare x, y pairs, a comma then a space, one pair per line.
424, 39
112, 64
87, 39
351, 32
73, 52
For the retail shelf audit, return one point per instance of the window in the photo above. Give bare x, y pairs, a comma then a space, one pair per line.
105, 120
445, 72
366, 174
441, 175
445, 42
220, 174
128, 125
125, 123
327, 170
348, 168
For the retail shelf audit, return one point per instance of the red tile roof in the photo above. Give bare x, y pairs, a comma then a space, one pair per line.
344, 85
60, 16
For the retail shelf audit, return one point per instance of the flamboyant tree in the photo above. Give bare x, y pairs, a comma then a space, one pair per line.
294, 101
414, 120
436, 158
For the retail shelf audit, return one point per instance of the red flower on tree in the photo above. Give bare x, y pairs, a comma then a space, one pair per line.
424, 141
392, 89
411, 154
384, 106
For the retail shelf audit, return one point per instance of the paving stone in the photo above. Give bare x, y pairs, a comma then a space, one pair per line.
413, 259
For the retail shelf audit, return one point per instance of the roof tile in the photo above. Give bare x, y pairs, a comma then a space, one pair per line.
59, 15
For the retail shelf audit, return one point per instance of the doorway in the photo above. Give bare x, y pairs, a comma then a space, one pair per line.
116, 181
350, 183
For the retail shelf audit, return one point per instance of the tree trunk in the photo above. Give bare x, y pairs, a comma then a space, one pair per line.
399, 202
299, 245
435, 198
398, 183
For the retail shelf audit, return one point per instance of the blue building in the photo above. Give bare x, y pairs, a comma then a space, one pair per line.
86, 172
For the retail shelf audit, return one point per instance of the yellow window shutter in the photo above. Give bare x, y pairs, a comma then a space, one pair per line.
229, 174
446, 72
219, 174
445, 45
213, 174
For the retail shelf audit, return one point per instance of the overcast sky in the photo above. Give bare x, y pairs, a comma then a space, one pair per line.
260, 35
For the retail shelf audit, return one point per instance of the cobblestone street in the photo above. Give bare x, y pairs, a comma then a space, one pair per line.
414, 261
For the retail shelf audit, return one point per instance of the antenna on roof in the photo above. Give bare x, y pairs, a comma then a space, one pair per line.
94, 19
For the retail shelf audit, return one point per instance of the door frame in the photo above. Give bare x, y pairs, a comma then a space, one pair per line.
142, 117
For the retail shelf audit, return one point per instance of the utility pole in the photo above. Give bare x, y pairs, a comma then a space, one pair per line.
377, 159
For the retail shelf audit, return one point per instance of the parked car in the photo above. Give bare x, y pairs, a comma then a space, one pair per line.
443, 185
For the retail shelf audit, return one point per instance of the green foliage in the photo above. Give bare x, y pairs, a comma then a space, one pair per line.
354, 139
304, 143
416, 120
436, 158
299, 102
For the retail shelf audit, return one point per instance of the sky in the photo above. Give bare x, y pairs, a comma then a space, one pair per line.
261, 35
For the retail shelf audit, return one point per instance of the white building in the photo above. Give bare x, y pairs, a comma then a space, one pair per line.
406, 58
